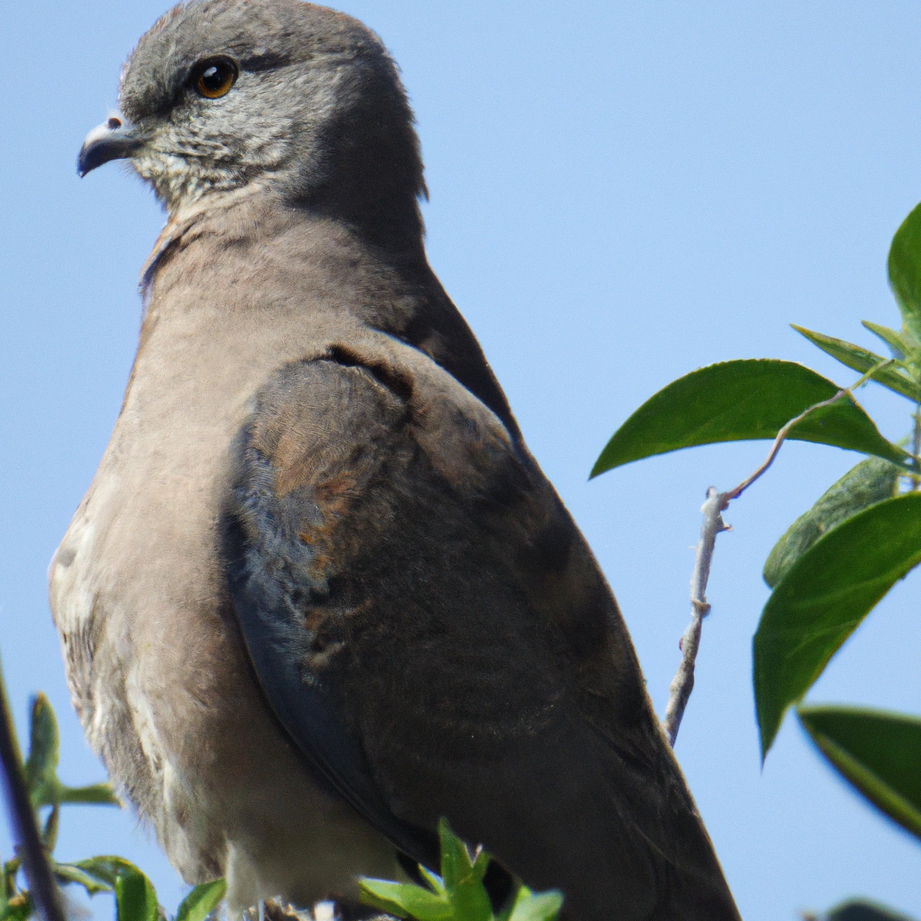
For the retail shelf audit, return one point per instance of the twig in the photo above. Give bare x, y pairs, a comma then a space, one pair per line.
916, 446
782, 434
717, 503
43, 888
683, 682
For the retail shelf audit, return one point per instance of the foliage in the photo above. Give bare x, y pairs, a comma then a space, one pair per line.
458, 894
861, 910
823, 598
135, 897
877, 752
738, 401
840, 558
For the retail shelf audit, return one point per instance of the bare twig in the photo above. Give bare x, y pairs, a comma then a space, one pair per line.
717, 502
683, 682
43, 888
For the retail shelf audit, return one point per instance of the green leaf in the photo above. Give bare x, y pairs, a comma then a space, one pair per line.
107, 868
470, 901
905, 271
862, 910
741, 400
455, 861
69, 873
45, 789
96, 794
201, 901
10, 869
50, 831
405, 900
42, 763
541, 906
19, 908
862, 360
901, 344
480, 864
135, 897
878, 752
824, 597
463, 878
435, 882
871, 481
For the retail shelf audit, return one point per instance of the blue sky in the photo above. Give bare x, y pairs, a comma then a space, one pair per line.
620, 193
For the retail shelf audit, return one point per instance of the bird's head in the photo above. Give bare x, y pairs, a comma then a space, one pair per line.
279, 97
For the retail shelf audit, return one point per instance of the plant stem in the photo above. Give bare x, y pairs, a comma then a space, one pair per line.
683, 682
717, 502
916, 447
44, 890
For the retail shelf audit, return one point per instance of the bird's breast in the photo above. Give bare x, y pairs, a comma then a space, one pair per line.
156, 668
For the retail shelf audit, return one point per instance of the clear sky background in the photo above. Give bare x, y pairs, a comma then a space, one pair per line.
620, 193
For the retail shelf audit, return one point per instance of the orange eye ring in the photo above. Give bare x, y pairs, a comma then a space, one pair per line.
214, 77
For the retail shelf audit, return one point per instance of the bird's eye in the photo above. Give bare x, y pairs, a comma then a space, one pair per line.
214, 77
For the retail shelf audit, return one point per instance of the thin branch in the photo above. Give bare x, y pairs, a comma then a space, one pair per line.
916, 446
717, 502
683, 682
43, 888
785, 431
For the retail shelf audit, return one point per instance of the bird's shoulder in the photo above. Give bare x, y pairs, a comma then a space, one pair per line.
371, 455
343, 533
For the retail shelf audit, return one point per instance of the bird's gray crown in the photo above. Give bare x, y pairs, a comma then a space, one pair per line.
306, 105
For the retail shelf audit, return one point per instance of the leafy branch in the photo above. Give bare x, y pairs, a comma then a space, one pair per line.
715, 505
839, 559
457, 895
33, 786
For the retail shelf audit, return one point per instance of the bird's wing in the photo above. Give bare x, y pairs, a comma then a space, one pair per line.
433, 633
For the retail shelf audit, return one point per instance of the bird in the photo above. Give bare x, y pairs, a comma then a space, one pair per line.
319, 594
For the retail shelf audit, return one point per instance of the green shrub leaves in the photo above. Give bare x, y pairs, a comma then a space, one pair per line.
742, 400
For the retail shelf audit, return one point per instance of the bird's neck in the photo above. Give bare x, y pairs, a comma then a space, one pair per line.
332, 266
384, 215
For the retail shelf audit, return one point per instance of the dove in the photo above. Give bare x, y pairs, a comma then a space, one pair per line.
319, 594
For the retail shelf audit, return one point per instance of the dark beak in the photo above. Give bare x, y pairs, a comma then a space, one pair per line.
112, 140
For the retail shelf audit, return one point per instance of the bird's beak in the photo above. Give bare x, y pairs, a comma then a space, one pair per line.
114, 139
